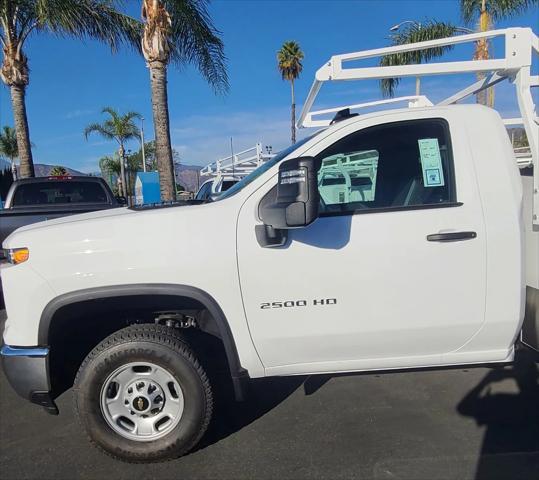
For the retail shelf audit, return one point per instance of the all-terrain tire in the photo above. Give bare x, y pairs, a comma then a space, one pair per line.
160, 346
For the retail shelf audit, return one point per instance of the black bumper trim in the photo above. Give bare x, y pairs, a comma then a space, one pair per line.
46, 401
27, 370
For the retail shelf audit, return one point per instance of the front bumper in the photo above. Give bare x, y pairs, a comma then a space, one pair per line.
27, 370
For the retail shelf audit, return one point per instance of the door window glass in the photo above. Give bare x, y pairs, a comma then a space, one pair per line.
395, 165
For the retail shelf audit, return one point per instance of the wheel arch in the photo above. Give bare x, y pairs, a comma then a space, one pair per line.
218, 324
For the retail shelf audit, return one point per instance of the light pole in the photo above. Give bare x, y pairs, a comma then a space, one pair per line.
142, 144
396, 27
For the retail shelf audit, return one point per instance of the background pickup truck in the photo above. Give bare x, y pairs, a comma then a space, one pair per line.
34, 200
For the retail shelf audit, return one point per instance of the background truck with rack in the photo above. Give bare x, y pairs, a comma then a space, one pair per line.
226, 172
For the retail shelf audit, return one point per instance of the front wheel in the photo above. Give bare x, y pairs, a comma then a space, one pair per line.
142, 396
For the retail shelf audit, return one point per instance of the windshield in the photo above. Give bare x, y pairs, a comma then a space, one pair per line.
263, 168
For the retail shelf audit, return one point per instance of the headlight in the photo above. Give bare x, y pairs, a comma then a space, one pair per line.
17, 255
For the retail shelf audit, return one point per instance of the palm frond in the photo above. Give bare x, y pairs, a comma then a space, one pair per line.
99, 19
414, 33
497, 9
129, 116
289, 59
193, 39
112, 112
100, 129
8, 143
119, 127
110, 165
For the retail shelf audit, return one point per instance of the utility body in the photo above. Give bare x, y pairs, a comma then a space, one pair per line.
389, 240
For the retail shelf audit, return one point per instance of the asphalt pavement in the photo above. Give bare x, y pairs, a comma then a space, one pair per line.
475, 423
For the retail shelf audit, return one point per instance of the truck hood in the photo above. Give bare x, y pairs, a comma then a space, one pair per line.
113, 227
113, 212
125, 246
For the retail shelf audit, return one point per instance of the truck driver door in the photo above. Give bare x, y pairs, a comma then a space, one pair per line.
374, 278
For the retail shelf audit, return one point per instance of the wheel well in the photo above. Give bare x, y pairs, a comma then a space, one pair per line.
74, 329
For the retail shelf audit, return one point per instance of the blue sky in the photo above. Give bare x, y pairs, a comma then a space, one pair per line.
72, 80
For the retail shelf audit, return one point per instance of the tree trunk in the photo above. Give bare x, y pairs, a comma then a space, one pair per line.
21, 128
13, 170
123, 180
485, 97
293, 113
163, 148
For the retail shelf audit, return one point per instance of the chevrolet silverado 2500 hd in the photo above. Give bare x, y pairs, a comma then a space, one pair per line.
390, 240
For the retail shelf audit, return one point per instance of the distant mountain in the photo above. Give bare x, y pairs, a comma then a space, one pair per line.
44, 170
187, 175
41, 169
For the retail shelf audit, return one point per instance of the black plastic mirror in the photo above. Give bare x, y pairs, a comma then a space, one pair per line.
122, 201
295, 202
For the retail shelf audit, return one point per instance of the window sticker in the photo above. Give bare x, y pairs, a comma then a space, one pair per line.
431, 162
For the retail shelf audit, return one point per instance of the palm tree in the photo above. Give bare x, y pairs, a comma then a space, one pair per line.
76, 18
289, 59
57, 170
484, 13
412, 33
9, 148
177, 31
120, 128
110, 166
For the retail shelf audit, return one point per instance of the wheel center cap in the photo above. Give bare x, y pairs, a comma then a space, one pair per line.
141, 404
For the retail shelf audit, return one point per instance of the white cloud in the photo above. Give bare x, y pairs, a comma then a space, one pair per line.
202, 139
78, 113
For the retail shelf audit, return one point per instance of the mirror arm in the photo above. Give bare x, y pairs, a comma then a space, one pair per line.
267, 236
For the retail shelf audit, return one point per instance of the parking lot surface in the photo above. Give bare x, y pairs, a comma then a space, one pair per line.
475, 423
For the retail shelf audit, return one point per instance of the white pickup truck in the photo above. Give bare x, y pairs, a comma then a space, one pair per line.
423, 265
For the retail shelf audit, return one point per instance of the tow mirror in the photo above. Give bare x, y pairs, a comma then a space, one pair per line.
293, 204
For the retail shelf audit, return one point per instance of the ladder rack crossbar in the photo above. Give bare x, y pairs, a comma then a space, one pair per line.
520, 46
413, 101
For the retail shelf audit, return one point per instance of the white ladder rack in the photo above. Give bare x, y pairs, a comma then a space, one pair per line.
238, 165
521, 44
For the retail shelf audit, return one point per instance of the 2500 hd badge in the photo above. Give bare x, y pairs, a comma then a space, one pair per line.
299, 303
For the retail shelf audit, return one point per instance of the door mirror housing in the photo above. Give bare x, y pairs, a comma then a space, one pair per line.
295, 202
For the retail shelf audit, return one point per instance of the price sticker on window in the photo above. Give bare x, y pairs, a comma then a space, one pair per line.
431, 162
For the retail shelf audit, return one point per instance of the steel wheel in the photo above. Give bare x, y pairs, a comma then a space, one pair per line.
142, 401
